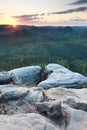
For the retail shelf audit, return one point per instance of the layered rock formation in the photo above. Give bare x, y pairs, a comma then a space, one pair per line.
53, 104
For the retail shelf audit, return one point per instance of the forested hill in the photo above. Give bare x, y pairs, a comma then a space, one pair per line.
31, 45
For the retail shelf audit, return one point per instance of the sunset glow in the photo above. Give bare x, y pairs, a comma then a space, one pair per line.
8, 20
54, 12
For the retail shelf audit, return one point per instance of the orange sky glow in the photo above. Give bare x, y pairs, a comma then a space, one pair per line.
41, 13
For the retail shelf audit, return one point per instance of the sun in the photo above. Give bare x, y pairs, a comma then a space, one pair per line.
14, 25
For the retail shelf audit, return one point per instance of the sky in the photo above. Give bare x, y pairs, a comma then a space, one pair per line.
44, 12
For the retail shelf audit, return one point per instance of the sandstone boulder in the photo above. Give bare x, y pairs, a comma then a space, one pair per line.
29, 74
61, 76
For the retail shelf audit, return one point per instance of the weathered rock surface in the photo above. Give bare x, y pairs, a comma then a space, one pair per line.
59, 116
77, 103
30, 74
62, 107
26, 122
52, 108
71, 119
34, 95
78, 120
16, 107
61, 76
63, 94
9, 92
5, 78
17, 100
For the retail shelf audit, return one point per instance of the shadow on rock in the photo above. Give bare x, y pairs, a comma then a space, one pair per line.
55, 112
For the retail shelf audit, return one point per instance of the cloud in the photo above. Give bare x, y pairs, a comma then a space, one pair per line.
75, 21
78, 19
79, 9
79, 2
43, 14
30, 19
26, 17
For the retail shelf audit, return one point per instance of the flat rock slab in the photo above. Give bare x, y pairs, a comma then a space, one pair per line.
61, 76
29, 74
9, 92
62, 94
26, 122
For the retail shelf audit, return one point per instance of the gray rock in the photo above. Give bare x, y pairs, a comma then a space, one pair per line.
61, 76
30, 74
34, 95
32, 121
77, 103
52, 108
78, 120
18, 100
26, 122
5, 78
16, 107
9, 92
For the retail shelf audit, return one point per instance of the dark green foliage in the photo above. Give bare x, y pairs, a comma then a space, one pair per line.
42, 45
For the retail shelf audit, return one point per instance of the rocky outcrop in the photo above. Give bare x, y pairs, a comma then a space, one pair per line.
72, 119
61, 76
73, 107
58, 116
26, 122
11, 92
30, 74
61, 107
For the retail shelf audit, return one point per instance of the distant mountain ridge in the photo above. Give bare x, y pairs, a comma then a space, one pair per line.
36, 30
